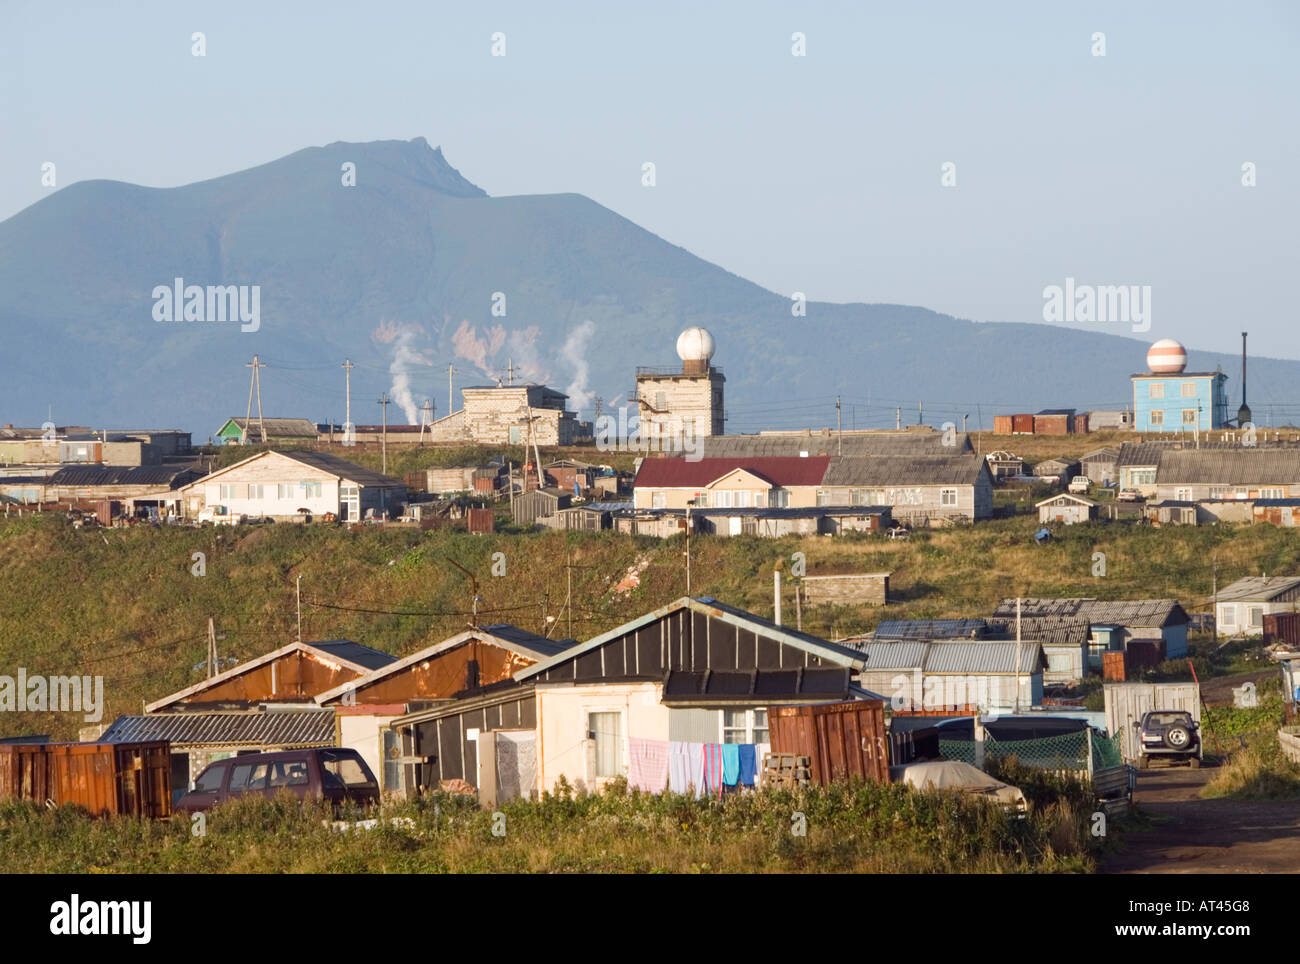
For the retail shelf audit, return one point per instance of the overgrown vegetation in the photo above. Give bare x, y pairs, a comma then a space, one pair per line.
861, 827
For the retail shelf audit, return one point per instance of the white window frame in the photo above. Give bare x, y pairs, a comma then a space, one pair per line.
722, 499
284, 491
659, 500
255, 490
619, 763
1229, 612
779, 498
1254, 616
1156, 390
225, 491
1157, 416
948, 497
1188, 389
751, 725
1189, 416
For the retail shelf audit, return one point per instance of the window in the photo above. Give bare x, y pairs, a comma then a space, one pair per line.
745, 726
1229, 614
284, 491
603, 729
247, 776
311, 490
702, 500
1156, 390
1142, 476
339, 768
1218, 491
758, 500
661, 401
1189, 389
823, 497
255, 491
1157, 417
392, 744
779, 498
722, 499
289, 773
227, 492
1255, 615
947, 496
209, 780
740, 499
1189, 416
1183, 495
1275, 493
658, 500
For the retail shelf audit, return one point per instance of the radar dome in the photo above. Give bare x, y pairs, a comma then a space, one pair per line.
695, 344
1166, 357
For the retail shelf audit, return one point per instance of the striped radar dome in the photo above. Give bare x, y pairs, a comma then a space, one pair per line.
1166, 357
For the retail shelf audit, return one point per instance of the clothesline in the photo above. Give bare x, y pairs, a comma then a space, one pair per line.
684, 767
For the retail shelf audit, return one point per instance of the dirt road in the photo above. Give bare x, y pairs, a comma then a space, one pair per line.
1195, 836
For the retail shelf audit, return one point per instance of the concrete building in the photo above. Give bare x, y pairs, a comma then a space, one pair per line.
668, 400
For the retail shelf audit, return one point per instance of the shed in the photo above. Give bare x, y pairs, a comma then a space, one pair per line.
1061, 469
1127, 702
1099, 465
848, 589
531, 506
1066, 508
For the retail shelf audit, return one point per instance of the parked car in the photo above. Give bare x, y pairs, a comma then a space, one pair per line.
1128, 495
324, 773
219, 515
1168, 733
897, 532
956, 775
1080, 484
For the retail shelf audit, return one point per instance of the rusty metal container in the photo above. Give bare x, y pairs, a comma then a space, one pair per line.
1002, 425
1081, 424
481, 520
841, 740
1112, 666
106, 779
1144, 652
1282, 628
1052, 424
487, 484
1022, 424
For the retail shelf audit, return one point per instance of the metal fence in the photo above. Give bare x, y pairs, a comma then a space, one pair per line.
1067, 752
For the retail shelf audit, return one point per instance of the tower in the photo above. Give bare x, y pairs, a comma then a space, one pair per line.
669, 399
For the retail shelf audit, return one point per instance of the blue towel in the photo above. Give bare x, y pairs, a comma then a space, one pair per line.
730, 763
747, 762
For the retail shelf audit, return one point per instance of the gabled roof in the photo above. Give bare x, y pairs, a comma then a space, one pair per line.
1105, 454
905, 470
706, 605
711, 687
340, 652
512, 638
275, 427
1065, 495
269, 728
1134, 612
1239, 466
1050, 629
681, 473
953, 656
143, 475
934, 628
1258, 588
322, 462
849, 444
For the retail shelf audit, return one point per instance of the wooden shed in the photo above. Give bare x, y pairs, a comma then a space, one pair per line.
1066, 508
531, 506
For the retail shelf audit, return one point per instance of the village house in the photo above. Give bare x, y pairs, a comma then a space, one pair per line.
1099, 465
239, 431
1066, 508
1154, 628
693, 671
917, 489
277, 485
725, 483
1240, 607
1060, 470
472, 662
859, 443
1004, 465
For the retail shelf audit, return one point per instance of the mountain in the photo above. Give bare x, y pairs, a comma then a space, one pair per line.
399, 273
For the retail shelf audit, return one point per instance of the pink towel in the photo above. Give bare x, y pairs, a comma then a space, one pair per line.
713, 768
647, 764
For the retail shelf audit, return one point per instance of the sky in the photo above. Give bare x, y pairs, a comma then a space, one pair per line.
820, 173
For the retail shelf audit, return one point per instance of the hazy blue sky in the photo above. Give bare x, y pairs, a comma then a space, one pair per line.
819, 173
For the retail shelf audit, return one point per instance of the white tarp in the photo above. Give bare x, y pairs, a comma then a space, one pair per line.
956, 775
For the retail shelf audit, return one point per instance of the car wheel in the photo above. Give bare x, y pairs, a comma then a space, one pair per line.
1177, 737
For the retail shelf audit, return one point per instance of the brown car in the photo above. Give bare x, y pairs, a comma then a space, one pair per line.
325, 773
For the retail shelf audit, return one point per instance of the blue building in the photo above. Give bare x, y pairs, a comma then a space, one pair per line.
1180, 402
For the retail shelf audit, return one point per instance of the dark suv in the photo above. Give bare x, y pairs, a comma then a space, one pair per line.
1168, 733
326, 773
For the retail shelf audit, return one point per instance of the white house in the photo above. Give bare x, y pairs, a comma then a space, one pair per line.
279, 484
1240, 607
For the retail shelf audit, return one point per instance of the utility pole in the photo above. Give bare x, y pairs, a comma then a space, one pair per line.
254, 382
568, 594
898, 418
212, 647
426, 420
298, 595
451, 407
473, 581
383, 403
689, 503
347, 421
510, 372
1016, 677
839, 427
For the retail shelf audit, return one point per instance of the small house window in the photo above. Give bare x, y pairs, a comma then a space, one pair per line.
1189, 389
1230, 614
1189, 416
227, 491
284, 491
311, 490
779, 498
1256, 616
745, 726
658, 500
603, 729
254, 491
1157, 417
722, 499
1156, 390
947, 496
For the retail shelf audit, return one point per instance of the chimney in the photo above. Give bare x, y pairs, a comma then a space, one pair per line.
1243, 413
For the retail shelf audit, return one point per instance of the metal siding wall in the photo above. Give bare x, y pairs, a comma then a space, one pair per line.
694, 725
1126, 702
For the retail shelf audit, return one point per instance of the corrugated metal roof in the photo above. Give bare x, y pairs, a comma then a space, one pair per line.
685, 473
153, 475
1050, 629
522, 637
1240, 465
803, 512
931, 628
891, 654
344, 469
1259, 588
272, 728
276, 427
820, 443
724, 686
983, 656
905, 470
1132, 612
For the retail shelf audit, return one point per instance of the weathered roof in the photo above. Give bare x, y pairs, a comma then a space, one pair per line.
1260, 588
905, 470
933, 628
1105, 454
357, 653
152, 475
687, 473
1067, 496
683, 687
953, 656
799, 512
1050, 629
849, 444
1134, 612
269, 728
1236, 466
322, 462
275, 427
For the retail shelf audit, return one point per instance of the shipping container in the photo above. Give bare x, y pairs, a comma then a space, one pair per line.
1112, 666
1142, 653
841, 740
481, 520
1081, 424
1282, 628
106, 779
1052, 424
1002, 425
1127, 702
488, 484
1022, 424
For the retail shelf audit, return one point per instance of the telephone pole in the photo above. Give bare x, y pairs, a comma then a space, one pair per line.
254, 382
451, 407
383, 403
347, 421
212, 647
839, 427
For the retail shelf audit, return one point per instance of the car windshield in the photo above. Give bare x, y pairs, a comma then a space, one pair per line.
1164, 719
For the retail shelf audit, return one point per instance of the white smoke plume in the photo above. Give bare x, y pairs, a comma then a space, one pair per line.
574, 354
406, 359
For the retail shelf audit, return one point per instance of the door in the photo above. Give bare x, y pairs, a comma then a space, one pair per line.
734, 525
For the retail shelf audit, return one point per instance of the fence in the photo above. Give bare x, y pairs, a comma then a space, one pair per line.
1067, 753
